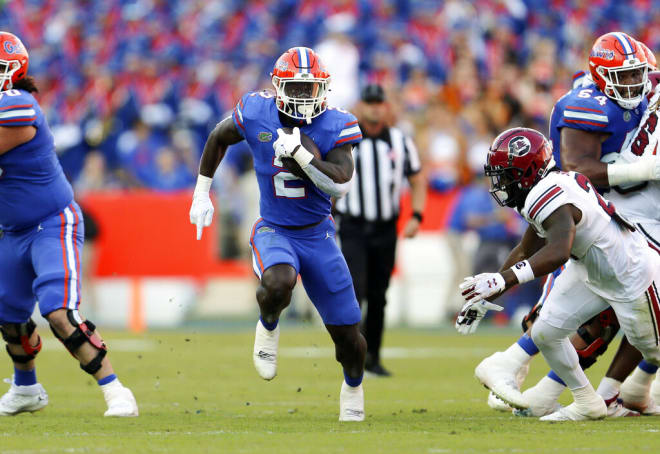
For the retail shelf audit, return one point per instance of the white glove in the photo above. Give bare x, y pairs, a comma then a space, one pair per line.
471, 314
286, 144
290, 146
201, 211
482, 286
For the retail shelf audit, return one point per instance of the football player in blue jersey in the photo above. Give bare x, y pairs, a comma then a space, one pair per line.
592, 120
295, 234
41, 239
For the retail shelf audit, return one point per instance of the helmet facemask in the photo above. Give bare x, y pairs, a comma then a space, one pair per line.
627, 85
302, 97
505, 185
7, 70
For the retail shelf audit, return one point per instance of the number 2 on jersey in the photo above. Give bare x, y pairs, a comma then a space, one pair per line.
585, 184
279, 182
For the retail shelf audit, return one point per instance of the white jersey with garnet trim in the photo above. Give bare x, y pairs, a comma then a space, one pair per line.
619, 263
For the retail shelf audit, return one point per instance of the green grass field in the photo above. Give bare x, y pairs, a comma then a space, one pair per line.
198, 392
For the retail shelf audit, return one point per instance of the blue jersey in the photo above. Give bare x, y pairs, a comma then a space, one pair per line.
32, 183
587, 108
286, 199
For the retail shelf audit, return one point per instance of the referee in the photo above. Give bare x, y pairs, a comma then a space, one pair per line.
369, 212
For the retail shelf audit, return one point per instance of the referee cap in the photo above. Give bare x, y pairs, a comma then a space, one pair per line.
373, 93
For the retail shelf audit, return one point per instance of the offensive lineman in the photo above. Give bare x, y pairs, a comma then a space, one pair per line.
608, 263
41, 238
295, 234
589, 122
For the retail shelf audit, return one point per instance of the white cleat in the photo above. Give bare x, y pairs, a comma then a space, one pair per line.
615, 409
575, 413
636, 396
265, 351
21, 399
542, 398
351, 403
498, 373
120, 400
498, 404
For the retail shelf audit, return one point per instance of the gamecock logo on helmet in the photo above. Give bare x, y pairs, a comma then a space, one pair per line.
519, 146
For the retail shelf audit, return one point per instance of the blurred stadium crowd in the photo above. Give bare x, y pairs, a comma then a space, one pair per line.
131, 88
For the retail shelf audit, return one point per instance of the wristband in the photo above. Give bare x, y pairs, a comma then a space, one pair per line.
418, 215
302, 156
203, 184
523, 271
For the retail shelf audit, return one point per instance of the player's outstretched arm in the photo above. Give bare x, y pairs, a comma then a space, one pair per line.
580, 152
223, 135
11, 137
560, 228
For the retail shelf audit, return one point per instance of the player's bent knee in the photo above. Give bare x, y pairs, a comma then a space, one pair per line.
83, 332
19, 334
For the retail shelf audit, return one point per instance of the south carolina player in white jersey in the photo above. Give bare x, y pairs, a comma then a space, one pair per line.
608, 262
594, 119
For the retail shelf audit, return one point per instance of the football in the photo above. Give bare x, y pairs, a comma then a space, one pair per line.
291, 164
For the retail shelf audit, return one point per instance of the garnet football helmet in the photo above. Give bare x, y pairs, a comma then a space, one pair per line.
301, 84
618, 67
517, 160
14, 60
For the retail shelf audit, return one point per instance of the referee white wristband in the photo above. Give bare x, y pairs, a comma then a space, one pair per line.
303, 157
203, 184
523, 271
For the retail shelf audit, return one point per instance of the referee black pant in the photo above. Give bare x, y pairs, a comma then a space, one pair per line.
369, 249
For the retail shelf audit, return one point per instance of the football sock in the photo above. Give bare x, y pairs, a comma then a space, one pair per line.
25, 377
527, 345
641, 377
554, 377
608, 388
353, 382
105, 380
269, 326
648, 367
586, 396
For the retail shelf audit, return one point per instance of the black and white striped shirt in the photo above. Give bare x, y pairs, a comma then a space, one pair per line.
381, 163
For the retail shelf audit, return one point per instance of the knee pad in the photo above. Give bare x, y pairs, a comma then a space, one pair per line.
530, 318
84, 332
597, 345
24, 331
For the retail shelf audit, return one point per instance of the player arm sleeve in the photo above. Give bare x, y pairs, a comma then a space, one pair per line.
325, 183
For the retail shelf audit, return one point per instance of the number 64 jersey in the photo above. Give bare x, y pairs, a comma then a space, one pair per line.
588, 109
620, 266
284, 198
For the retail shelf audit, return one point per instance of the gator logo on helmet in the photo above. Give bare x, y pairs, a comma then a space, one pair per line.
282, 65
10, 48
519, 146
607, 54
